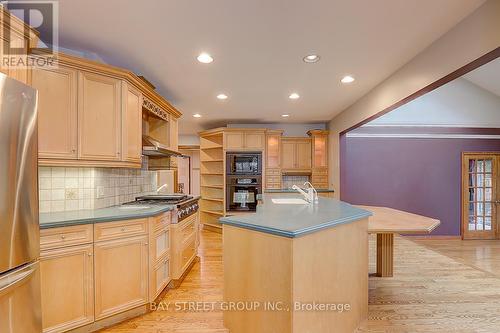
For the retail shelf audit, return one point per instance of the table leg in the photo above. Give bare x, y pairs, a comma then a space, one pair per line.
385, 258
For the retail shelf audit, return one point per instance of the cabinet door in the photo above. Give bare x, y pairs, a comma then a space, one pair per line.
320, 157
121, 275
67, 284
273, 151
99, 117
254, 141
303, 160
288, 152
234, 140
132, 124
160, 277
57, 112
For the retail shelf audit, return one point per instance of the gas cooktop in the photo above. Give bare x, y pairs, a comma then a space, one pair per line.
163, 199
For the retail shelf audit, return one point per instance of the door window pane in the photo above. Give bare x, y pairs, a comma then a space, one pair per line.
472, 165
487, 209
479, 224
487, 194
487, 223
480, 166
472, 223
488, 166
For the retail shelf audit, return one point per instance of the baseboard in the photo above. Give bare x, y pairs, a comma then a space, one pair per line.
113, 320
175, 283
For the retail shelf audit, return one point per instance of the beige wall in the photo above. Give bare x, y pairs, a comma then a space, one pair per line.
475, 36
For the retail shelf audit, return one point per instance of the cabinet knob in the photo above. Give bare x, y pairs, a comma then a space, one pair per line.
73, 150
118, 153
146, 243
123, 229
89, 254
63, 237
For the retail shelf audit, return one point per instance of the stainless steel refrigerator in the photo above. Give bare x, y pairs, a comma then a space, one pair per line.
20, 308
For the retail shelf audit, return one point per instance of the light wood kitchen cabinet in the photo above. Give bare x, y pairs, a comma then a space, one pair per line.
99, 117
57, 112
121, 275
234, 140
273, 159
67, 284
319, 177
288, 152
295, 154
184, 245
131, 123
244, 140
159, 254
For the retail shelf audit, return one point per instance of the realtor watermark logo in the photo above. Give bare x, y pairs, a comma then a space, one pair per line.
41, 15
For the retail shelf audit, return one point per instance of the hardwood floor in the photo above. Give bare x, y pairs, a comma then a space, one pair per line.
437, 287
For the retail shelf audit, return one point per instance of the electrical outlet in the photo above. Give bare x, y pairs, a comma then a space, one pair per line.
100, 192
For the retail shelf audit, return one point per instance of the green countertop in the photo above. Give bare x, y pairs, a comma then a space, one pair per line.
90, 216
289, 220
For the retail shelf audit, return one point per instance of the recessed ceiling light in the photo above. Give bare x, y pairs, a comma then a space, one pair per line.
222, 96
347, 79
205, 58
311, 58
197, 115
294, 96
285, 115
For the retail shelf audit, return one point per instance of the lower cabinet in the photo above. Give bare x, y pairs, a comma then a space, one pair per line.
121, 275
67, 281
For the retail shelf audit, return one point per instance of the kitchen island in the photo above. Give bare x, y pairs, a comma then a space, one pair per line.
296, 267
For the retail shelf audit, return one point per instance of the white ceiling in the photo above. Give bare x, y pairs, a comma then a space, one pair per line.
487, 77
258, 47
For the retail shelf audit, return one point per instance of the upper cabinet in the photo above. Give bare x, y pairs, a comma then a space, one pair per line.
14, 33
131, 123
57, 112
91, 114
99, 121
296, 155
247, 139
319, 177
273, 149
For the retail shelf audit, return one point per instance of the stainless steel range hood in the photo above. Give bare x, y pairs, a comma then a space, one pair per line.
153, 148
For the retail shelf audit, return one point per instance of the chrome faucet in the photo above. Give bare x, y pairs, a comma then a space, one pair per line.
311, 195
161, 188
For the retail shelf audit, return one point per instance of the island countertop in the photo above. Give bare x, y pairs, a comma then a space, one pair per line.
295, 220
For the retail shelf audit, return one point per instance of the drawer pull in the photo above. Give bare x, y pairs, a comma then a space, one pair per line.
63, 237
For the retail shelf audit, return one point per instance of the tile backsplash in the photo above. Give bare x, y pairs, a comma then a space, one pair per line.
289, 181
65, 189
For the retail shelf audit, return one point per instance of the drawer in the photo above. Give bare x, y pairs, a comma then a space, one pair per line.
188, 253
273, 179
273, 172
273, 186
187, 228
162, 221
161, 244
120, 229
65, 236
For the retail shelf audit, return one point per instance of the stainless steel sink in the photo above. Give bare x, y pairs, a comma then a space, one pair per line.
289, 201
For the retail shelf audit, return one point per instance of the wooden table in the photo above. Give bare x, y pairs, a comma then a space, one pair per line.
386, 222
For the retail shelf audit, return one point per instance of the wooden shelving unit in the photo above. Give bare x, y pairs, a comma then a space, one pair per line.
212, 182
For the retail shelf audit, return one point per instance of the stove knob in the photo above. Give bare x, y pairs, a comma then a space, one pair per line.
178, 213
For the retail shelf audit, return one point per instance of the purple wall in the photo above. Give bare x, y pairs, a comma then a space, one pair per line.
421, 176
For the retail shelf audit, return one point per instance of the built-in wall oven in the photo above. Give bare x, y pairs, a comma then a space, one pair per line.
243, 180
244, 163
241, 192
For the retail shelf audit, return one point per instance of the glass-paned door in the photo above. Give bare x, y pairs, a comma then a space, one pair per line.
480, 179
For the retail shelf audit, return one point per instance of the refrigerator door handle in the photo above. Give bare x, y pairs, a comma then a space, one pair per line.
11, 280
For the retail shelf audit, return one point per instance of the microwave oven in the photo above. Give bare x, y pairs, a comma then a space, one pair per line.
244, 163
